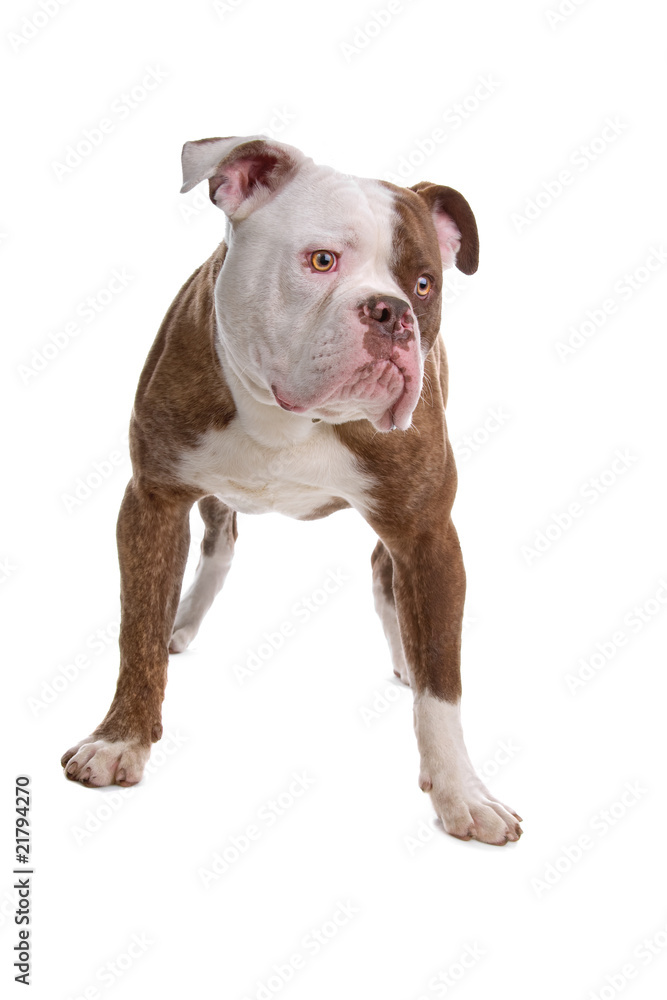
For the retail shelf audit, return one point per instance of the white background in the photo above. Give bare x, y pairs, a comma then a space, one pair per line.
109, 866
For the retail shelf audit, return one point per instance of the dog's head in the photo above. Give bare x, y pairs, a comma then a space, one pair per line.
329, 297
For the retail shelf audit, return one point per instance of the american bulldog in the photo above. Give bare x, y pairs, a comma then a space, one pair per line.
300, 370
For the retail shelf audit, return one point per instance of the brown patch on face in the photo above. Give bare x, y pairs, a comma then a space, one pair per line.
416, 252
383, 315
381, 348
378, 354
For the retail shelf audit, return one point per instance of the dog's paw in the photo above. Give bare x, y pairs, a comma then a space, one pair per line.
472, 813
181, 638
97, 762
465, 806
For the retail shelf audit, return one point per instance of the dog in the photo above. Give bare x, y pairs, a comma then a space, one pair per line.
301, 370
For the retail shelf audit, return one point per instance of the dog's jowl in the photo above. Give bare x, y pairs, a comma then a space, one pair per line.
275, 380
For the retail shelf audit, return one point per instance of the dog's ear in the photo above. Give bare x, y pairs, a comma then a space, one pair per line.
242, 172
455, 225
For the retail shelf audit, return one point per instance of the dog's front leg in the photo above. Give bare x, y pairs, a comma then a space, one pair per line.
153, 538
429, 589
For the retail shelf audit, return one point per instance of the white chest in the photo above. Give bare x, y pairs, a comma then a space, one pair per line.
292, 477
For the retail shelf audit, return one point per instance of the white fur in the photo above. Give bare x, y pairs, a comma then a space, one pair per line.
199, 160
268, 460
210, 575
387, 613
281, 324
463, 803
102, 762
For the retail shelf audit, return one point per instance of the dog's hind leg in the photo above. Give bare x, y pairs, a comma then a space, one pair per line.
217, 549
383, 593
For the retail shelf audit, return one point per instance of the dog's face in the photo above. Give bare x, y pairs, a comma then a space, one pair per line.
329, 297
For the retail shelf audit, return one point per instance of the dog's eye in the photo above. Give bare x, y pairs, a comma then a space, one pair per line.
423, 286
322, 260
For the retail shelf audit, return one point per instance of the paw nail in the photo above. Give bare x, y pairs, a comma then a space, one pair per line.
120, 776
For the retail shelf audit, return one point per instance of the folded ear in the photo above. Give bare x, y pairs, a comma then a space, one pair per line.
243, 172
455, 225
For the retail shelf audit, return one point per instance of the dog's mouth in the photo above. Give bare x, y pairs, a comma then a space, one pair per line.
286, 405
379, 391
399, 414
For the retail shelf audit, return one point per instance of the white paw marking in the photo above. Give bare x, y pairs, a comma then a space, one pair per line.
96, 763
465, 806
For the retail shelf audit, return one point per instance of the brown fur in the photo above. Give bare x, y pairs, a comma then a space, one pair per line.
182, 393
219, 520
412, 518
446, 199
418, 476
153, 541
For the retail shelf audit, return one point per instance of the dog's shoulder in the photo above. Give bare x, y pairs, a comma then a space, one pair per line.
182, 391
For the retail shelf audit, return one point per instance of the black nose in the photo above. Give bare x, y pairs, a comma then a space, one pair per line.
388, 315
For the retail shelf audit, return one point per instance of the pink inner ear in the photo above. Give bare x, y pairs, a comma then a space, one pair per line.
230, 188
449, 237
